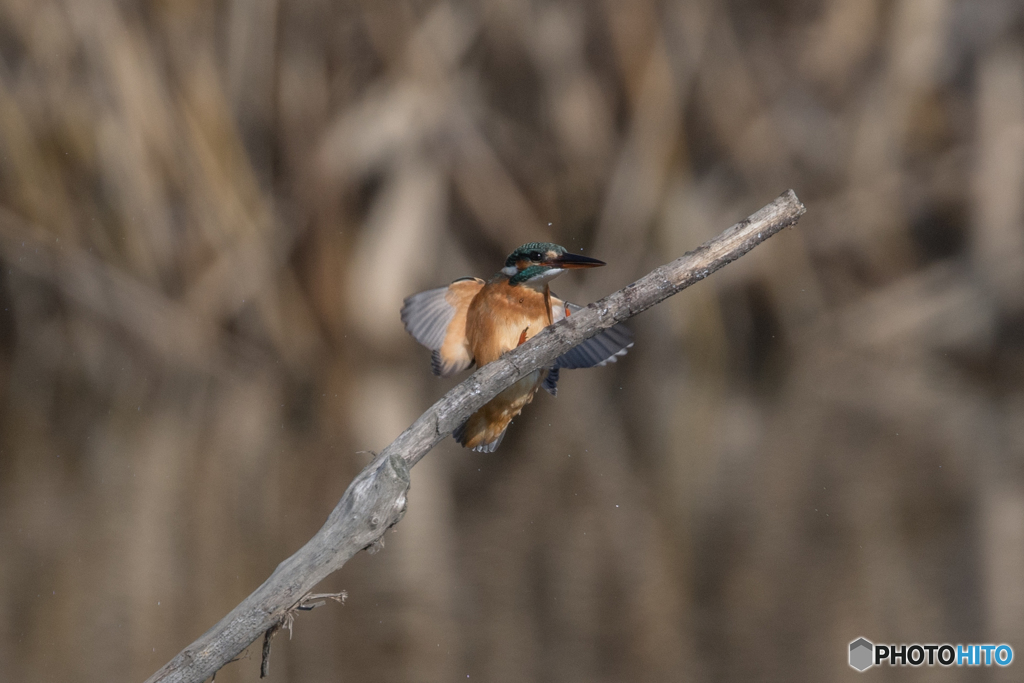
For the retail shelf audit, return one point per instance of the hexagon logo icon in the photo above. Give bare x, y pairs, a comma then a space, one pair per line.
861, 651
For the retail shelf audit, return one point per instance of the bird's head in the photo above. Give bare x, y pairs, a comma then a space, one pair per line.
538, 262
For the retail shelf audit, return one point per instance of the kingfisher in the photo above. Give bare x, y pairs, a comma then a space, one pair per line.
476, 321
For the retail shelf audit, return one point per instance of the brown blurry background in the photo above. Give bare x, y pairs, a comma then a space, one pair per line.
210, 214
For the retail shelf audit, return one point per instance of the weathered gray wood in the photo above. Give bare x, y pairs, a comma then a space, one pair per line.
376, 499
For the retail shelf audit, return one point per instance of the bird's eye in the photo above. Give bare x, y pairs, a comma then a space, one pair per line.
536, 256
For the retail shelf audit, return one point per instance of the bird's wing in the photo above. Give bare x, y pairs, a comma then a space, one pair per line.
436, 318
604, 347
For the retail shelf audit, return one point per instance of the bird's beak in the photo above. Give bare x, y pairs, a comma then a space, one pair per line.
573, 261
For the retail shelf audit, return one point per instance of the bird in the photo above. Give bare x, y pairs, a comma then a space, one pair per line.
477, 321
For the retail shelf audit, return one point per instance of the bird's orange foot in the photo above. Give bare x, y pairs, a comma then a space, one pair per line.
522, 338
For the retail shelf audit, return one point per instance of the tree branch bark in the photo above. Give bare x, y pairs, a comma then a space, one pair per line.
376, 499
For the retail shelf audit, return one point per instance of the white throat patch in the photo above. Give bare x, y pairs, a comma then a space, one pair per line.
538, 281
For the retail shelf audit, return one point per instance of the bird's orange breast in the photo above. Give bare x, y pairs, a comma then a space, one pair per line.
501, 316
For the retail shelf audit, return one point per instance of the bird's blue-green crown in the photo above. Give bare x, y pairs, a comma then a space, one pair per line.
532, 251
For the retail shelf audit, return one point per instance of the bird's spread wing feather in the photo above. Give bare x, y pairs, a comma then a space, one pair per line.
603, 348
436, 318
426, 316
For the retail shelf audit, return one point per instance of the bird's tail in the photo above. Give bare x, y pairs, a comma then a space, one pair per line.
473, 434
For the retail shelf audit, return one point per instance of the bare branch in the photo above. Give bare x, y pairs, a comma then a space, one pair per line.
376, 499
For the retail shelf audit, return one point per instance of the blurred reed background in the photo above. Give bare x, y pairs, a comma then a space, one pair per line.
210, 214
